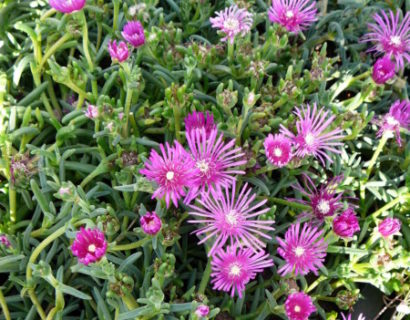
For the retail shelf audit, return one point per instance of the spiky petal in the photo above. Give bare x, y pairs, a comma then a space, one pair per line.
89, 245
198, 120
133, 32
299, 306
278, 149
231, 218
67, 6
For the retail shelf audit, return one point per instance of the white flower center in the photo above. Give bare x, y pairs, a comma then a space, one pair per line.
170, 175
234, 269
203, 166
289, 14
323, 206
392, 121
277, 152
91, 248
297, 309
395, 41
299, 251
231, 24
309, 139
231, 218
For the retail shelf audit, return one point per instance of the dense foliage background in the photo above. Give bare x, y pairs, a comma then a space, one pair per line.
53, 64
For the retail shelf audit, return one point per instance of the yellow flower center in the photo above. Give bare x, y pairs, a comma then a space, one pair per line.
234, 270
299, 251
170, 175
91, 248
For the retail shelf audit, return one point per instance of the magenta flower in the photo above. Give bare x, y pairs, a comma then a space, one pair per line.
324, 201
173, 171
389, 226
232, 21
133, 32
214, 160
347, 224
398, 116
299, 306
303, 250
383, 70
91, 112
89, 245
391, 38
150, 223
233, 268
230, 218
278, 149
5, 241
118, 52
349, 317
311, 138
202, 311
294, 15
67, 6
197, 120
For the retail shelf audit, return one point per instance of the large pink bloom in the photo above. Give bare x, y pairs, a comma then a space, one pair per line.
311, 138
215, 162
67, 6
303, 250
299, 306
234, 267
172, 170
133, 32
232, 21
294, 15
278, 149
231, 218
89, 245
391, 37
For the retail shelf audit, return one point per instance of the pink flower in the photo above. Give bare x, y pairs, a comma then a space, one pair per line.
391, 38
91, 112
311, 138
214, 161
324, 201
89, 245
232, 21
118, 52
67, 6
349, 317
303, 250
173, 171
5, 241
347, 224
197, 120
202, 311
383, 70
229, 218
389, 226
294, 15
133, 32
150, 223
299, 306
233, 268
278, 149
398, 116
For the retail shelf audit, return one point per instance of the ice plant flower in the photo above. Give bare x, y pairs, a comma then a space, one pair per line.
67, 6
346, 224
278, 149
230, 218
398, 117
299, 306
5, 241
198, 120
133, 32
324, 201
303, 250
349, 317
232, 21
311, 138
150, 223
294, 15
383, 70
234, 267
118, 52
91, 112
172, 170
391, 37
214, 160
202, 311
389, 226
89, 245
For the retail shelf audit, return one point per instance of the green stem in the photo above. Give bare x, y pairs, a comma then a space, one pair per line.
177, 120
3, 305
127, 109
315, 283
290, 204
116, 13
13, 204
376, 153
390, 205
130, 246
205, 277
230, 52
130, 302
53, 49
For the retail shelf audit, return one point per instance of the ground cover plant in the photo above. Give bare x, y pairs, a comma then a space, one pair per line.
198, 159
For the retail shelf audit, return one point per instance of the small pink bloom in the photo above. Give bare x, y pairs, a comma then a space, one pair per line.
233, 268
389, 226
232, 21
198, 120
5, 241
150, 223
294, 15
383, 70
133, 32
91, 112
278, 149
89, 245
118, 52
64, 190
121, 115
347, 224
202, 311
67, 6
349, 317
299, 306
